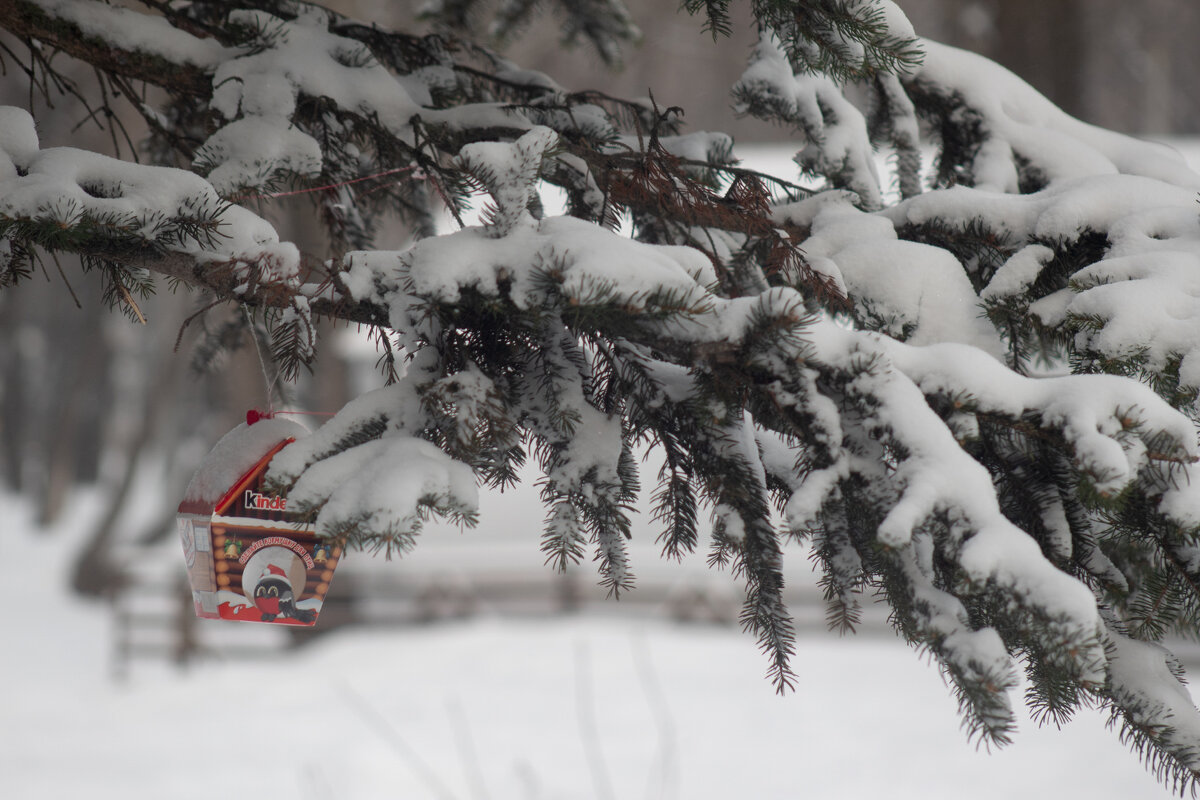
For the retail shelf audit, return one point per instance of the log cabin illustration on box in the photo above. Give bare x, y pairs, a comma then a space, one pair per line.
247, 558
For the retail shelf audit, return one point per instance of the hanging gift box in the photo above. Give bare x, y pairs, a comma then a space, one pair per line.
247, 557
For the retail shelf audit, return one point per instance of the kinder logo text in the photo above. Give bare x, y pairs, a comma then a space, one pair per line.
264, 502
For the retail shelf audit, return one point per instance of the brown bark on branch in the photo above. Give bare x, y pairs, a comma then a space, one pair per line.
30, 21
223, 279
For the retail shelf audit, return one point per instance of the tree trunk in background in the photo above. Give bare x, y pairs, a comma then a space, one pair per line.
94, 573
78, 400
1142, 66
12, 392
1121, 65
1044, 42
329, 387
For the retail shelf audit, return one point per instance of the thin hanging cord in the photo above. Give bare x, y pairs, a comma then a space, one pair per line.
263, 364
314, 189
270, 383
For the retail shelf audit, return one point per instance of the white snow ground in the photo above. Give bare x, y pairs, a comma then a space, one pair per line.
586, 707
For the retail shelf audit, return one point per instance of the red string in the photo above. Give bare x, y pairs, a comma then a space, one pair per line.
312, 189
254, 415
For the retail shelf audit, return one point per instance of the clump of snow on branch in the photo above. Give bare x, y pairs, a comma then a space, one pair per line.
257, 91
387, 485
130, 29
838, 144
150, 206
1021, 124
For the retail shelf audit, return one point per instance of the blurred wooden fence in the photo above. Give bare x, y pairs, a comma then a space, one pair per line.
153, 618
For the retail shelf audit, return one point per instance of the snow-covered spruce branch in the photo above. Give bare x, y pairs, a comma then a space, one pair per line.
305, 96
132, 222
845, 40
130, 43
843, 426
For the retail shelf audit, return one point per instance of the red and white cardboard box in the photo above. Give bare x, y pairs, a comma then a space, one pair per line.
247, 557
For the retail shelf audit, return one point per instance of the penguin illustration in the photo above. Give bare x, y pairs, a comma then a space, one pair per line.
274, 597
273, 579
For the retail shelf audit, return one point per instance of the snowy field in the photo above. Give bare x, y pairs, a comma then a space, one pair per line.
586, 707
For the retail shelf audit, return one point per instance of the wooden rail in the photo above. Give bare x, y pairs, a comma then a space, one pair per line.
153, 617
